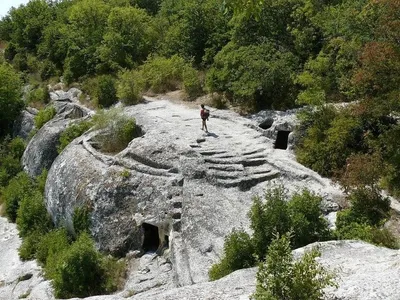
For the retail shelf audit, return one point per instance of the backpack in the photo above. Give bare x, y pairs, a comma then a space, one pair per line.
206, 113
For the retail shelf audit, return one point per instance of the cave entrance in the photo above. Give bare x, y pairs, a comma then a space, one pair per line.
282, 139
151, 240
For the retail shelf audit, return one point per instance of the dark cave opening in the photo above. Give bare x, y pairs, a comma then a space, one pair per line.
282, 140
266, 124
151, 240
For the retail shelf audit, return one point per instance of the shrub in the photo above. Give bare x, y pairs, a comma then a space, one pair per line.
280, 277
19, 187
81, 219
254, 76
326, 138
238, 254
308, 223
44, 116
368, 204
106, 92
51, 245
163, 74
38, 95
10, 98
129, 87
118, 131
29, 246
72, 132
32, 215
191, 83
11, 152
41, 180
79, 271
269, 217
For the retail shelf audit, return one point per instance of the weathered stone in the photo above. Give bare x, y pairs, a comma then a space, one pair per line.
42, 148
24, 124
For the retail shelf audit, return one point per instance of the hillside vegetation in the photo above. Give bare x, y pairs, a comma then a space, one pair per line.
270, 54
339, 58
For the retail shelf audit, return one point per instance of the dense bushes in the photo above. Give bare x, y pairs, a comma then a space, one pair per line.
301, 216
158, 75
11, 151
79, 270
255, 76
72, 132
365, 217
76, 268
117, 130
19, 187
238, 254
281, 277
10, 98
102, 89
44, 116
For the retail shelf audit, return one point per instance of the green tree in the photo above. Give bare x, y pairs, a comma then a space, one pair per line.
87, 25
269, 217
78, 271
32, 215
238, 254
128, 40
280, 277
309, 225
255, 76
11, 102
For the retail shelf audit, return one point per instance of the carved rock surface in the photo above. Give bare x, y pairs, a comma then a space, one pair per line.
199, 185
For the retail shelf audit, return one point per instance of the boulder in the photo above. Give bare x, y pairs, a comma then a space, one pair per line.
42, 148
25, 123
175, 182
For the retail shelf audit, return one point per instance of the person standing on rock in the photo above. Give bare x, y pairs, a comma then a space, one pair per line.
204, 114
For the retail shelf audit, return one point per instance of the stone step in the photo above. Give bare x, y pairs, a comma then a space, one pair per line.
249, 181
254, 162
222, 161
211, 152
227, 167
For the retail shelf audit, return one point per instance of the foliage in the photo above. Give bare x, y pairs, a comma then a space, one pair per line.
10, 98
41, 180
368, 211
50, 245
117, 130
19, 187
129, 87
128, 39
11, 151
238, 254
166, 74
280, 277
44, 116
254, 75
72, 132
328, 139
301, 216
308, 223
81, 219
371, 234
269, 218
78, 271
32, 215
29, 246
38, 96
194, 30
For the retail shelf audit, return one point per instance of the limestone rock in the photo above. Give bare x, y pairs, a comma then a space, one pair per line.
42, 148
176, 181
25, 123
